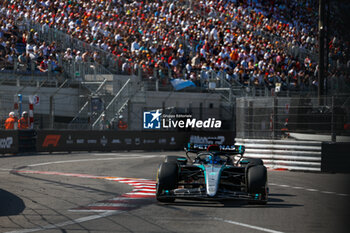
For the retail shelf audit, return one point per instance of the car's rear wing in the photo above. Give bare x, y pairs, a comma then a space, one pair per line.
229, 149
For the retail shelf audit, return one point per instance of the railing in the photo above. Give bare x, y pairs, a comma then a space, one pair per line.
83, 108
85, 71
72, 68
106, 59
26, 74
123, 96
159, 80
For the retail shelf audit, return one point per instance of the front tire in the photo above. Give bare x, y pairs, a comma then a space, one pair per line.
257, 183
166, 180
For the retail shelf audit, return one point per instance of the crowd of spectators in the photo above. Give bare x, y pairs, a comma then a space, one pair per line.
21, 49
162, 36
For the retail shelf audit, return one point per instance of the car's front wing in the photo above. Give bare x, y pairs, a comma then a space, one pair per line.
200, 193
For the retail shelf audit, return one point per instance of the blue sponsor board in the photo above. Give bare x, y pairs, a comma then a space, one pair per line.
151, 120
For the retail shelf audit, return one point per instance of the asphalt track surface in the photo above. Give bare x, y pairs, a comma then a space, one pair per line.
114, 192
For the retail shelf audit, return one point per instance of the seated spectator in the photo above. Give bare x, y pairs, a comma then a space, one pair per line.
242, 38
23, 62
44, 65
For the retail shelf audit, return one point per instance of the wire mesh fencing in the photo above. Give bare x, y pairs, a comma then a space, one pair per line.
277, 117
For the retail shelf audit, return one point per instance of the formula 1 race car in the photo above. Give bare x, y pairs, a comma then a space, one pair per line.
215, 173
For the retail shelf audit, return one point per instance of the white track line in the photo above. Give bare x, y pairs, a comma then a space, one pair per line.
111, 204
312, 190
327, 192
142, 193
247, 225
105, 213
85, 160
75, 221
309, 189
343, 194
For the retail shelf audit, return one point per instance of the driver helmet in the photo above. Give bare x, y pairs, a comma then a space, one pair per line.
213, 159
209, 159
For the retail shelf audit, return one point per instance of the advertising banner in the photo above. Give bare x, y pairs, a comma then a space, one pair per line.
26, 141
67, 140
8, 141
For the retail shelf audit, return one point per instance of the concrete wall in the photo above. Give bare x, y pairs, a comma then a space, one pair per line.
67, 101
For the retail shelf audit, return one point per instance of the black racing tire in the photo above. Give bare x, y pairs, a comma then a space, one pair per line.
257, 183
166, 180
174, 159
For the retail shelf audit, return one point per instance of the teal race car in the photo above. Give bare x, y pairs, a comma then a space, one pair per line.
216, 172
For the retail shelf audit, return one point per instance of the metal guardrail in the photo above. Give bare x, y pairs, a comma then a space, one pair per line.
284, 154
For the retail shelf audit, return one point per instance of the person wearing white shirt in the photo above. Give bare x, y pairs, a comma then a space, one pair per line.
135, 46
117, 37
43, 48
214, 34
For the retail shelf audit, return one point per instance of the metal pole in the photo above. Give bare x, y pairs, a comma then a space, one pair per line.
333, 132
51, 113
327, 47
20, 105
321, 31
250, 127
275, 117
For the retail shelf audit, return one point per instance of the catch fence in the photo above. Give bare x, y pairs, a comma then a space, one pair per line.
278, 117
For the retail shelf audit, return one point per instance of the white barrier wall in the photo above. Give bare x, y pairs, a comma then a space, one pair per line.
284, 154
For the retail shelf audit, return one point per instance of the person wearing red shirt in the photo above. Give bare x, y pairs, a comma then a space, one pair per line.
23, 122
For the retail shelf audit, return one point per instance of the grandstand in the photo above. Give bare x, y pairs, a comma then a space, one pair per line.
88, 58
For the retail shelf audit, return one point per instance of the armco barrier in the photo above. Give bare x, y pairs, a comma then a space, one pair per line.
284, 154
70, 140
85, 140
336, 157
26, 141
8, 141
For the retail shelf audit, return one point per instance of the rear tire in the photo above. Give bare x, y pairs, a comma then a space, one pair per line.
254, 161
166, 180
257, 183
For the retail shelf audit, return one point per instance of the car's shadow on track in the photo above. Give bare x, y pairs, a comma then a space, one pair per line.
10, 204
280, 195
273, 202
